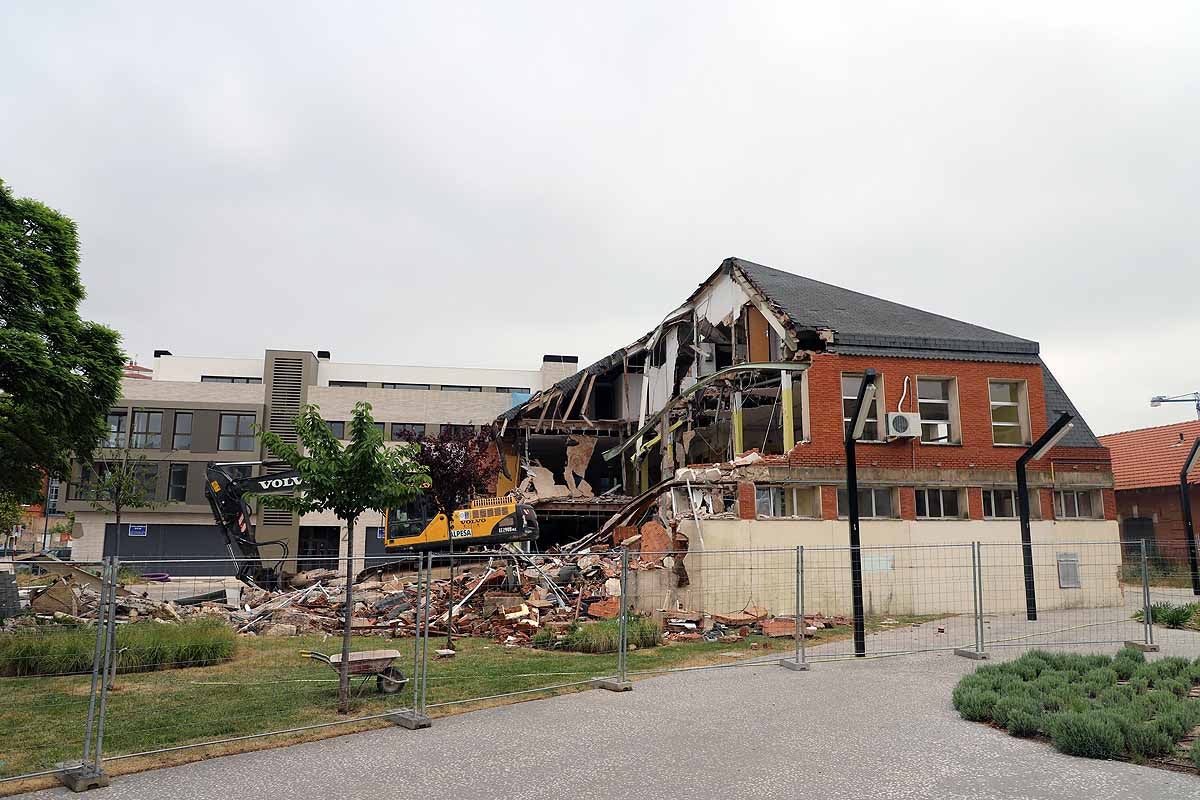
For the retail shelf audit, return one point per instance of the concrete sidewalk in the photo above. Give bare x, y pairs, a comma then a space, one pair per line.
880, 728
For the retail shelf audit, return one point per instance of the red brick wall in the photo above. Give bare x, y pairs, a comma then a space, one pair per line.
974, 502
747, 507
829, 502
825, 446
1162, 505
908, 502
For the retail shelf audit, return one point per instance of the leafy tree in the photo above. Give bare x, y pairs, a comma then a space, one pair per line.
11, 514
460, 465
120, 479
59, 375
348, 480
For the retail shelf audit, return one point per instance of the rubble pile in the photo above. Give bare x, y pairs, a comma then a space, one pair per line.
508, 598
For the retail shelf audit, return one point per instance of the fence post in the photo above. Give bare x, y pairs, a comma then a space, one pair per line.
89, 775
1147, 610
799, 663
416, 718
979, 579
621, 682
977, 652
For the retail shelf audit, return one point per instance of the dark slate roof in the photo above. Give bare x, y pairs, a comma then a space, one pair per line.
955, 355
568, 384
860, 319
1056, 403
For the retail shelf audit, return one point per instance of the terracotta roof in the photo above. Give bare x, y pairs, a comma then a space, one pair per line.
1151, 456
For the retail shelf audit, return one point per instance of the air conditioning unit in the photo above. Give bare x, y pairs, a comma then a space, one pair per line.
901, 424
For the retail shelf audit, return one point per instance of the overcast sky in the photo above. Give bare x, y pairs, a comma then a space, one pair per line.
446, 183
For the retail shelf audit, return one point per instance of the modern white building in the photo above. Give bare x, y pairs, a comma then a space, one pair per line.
195, 410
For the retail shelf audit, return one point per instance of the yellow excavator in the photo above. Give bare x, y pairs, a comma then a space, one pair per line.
418, 526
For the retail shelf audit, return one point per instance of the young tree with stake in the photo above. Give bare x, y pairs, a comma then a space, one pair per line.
121, 479
363, 475
459, 465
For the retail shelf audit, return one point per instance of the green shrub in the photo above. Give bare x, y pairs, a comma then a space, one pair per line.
975, 705
1124, 667
1017, 712
1195, 753
1089, 734
57, 650
1147, 740
1131, 654
1116, 696
1170, 615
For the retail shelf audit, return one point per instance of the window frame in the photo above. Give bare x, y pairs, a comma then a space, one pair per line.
176, 433
460, 387
416, 387
990, 493
952, 410
922, 493
338, 428
136, 443
1022, 406
401, 426
238, 436
171, 485
872, 490
348, 384
1095, 504
880, 416
246, 379
121, 431
513, 390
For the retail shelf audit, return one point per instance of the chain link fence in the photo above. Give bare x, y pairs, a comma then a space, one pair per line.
136, 660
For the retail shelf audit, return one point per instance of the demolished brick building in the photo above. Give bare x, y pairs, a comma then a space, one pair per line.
764, 362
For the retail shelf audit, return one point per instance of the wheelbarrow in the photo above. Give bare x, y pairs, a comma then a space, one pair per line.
367, 663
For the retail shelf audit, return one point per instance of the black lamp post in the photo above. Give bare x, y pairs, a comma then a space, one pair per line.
866, 396
1186, 502
1036, 450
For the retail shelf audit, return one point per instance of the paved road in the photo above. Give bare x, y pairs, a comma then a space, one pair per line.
880, 728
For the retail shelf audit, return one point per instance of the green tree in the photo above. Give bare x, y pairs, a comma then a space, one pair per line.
59, 375
11, 514
119, 479
348, 480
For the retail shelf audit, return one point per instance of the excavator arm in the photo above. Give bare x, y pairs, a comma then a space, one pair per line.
227, 498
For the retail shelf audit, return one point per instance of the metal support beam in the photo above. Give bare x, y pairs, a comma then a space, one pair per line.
737, 424
789, 421
1186, 503
866, 395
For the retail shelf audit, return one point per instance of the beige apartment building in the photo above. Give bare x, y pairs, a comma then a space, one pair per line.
193, 411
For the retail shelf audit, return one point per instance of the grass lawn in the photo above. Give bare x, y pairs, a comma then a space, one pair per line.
267, 686
1094, 706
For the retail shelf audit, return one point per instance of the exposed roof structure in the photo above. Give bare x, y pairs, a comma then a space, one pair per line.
860, 319
1150, 457
871, 326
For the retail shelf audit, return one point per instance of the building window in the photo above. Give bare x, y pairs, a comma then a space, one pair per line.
449, 387
146, 477
1077, 504
349, 384
337, 427
147, 429
999, 503
784, 501
229, 379
379, 426
419, 386
403, 430
53, 489
181, 439
117, 428
512, 389
239, 471
871, 503
938, 504
1009, 412
937, 401
458, 430
237, 432
177, 483
850, 384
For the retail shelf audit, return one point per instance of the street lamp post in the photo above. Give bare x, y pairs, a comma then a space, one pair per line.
1047, 440
1186, 501
866, 396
